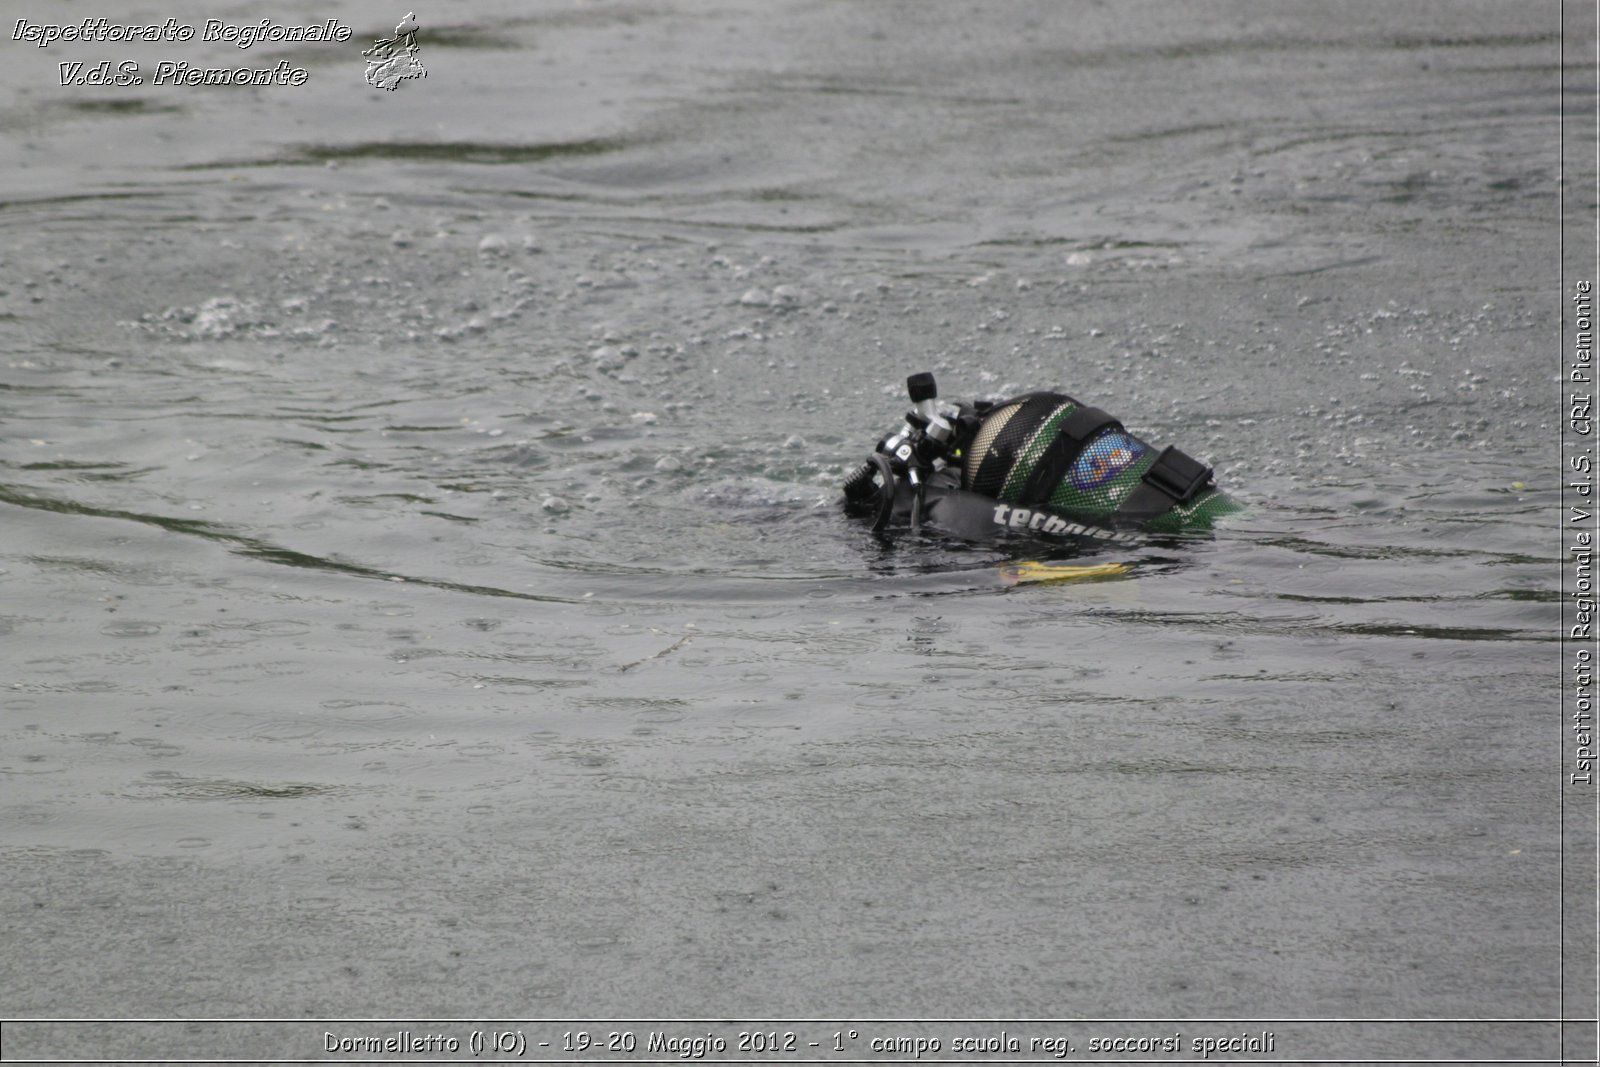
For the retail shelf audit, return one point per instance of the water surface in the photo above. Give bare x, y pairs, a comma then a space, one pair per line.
425, 589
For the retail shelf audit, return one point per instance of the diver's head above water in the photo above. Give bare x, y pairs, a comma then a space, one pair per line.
1042, 463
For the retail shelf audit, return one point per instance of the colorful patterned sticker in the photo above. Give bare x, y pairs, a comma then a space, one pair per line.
1106, 457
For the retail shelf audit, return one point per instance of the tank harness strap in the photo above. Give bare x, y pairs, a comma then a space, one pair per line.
1080, 426
1174, 478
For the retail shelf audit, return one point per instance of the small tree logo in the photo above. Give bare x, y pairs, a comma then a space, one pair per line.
391, 61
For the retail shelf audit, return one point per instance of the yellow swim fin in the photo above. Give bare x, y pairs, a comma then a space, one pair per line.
1033, 571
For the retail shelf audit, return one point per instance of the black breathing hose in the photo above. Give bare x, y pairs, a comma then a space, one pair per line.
859, 485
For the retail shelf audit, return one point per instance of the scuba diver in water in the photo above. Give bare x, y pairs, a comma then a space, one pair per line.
1041, 464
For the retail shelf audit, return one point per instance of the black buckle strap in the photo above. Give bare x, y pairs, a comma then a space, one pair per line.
1178, 474
1174, 478
1080, 426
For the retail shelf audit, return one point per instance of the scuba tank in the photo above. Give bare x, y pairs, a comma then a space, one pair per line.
1041, 463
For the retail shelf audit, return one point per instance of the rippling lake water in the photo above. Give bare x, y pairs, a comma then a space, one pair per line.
425, 588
